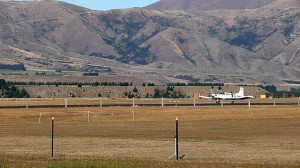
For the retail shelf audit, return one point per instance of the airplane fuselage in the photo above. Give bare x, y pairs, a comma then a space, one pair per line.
228, 96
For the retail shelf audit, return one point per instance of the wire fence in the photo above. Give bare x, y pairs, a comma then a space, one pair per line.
105, 102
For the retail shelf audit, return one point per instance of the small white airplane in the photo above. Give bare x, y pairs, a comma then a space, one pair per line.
228, 96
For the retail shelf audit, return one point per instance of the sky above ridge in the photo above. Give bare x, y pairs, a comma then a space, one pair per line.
110, 4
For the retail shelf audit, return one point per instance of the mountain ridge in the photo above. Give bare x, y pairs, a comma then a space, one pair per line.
222, 45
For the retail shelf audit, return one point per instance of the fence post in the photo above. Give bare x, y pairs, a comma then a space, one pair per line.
177, 140
133, 102
40, 118
194, 102
66, 102
162, 101
133, 119
52, 145
249, 104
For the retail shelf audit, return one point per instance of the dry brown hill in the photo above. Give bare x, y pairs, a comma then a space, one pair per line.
157, 46
206, 5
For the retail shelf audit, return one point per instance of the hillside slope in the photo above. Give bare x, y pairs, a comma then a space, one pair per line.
206, 5
169, 46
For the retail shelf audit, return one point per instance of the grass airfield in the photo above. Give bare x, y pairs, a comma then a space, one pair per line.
233, 136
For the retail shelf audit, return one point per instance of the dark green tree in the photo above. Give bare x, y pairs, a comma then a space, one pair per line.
135, 90
156, 93
24, 94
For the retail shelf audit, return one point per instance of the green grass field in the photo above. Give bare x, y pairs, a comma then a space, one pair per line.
209, 137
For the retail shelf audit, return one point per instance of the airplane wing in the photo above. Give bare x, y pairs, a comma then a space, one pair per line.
205, 97
249, 97
239, 98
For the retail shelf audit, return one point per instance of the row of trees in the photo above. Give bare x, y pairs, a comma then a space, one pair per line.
111, 84
11, 91
269, 88
19, 67
73, 83
295, 92
195, 84
133, 94
91, 74
169, 92
275, 93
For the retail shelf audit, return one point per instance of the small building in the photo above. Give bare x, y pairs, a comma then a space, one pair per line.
263, 96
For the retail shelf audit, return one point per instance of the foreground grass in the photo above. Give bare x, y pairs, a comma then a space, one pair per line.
43, 162
209, 137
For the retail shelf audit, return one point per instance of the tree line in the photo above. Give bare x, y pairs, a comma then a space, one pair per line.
19, 67
73, 83
195, 84
294, 92
8, 90
112, 84
169, 92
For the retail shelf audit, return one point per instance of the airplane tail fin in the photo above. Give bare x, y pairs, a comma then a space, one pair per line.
241, 93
